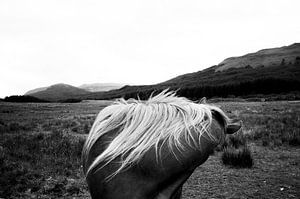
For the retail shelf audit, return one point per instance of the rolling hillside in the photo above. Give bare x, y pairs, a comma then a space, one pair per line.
59, 92
268, 71
36, 90
263, 58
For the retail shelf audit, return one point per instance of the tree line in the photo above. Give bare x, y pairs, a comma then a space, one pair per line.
260, 86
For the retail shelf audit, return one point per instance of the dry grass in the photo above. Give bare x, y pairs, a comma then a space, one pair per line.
40, 148
275, 174
237, 157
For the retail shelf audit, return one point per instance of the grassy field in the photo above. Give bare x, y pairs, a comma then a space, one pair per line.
40, 146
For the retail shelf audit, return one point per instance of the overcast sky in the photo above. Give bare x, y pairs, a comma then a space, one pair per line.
132, 42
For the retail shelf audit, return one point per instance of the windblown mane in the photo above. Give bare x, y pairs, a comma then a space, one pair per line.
146, 124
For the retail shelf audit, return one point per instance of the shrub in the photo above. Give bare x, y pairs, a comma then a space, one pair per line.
293, 138
241, 157
234, 141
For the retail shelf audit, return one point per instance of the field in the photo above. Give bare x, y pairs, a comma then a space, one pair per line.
40, 146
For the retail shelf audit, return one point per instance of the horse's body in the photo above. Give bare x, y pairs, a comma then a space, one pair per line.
144, 163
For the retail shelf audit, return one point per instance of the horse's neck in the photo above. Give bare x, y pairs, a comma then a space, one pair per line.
99, 146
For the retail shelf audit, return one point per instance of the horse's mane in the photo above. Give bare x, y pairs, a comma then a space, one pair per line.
163, 118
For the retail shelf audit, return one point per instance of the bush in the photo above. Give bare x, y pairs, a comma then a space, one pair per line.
241, 157
293, 138
235, 141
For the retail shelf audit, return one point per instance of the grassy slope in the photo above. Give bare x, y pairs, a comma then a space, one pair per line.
277, 63
59, 92
235, 75
265, 57
209, 77
264, 64
41, 144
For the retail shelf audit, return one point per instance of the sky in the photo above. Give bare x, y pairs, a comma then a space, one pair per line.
132, 42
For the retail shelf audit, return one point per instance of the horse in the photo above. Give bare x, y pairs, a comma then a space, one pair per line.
148, 149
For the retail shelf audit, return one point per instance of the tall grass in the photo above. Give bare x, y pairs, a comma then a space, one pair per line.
279, 130
40, 145
236, 153
28, 159
240, 157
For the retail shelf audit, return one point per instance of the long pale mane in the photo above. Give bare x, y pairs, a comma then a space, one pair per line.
163, 118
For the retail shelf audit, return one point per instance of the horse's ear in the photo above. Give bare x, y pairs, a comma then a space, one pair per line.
203, 101
233, 127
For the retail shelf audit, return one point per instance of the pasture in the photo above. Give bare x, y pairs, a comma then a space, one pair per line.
40, 147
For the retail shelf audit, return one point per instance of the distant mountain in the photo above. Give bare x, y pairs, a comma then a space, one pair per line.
35, 90
263, 58
97, 87
59, 92
267, 71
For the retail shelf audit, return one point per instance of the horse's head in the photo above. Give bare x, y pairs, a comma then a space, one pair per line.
221, 123
226, 125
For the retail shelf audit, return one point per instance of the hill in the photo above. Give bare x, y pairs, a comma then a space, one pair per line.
35, 90
277, 72
268, 71
263, 58
59, 92
97, 87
